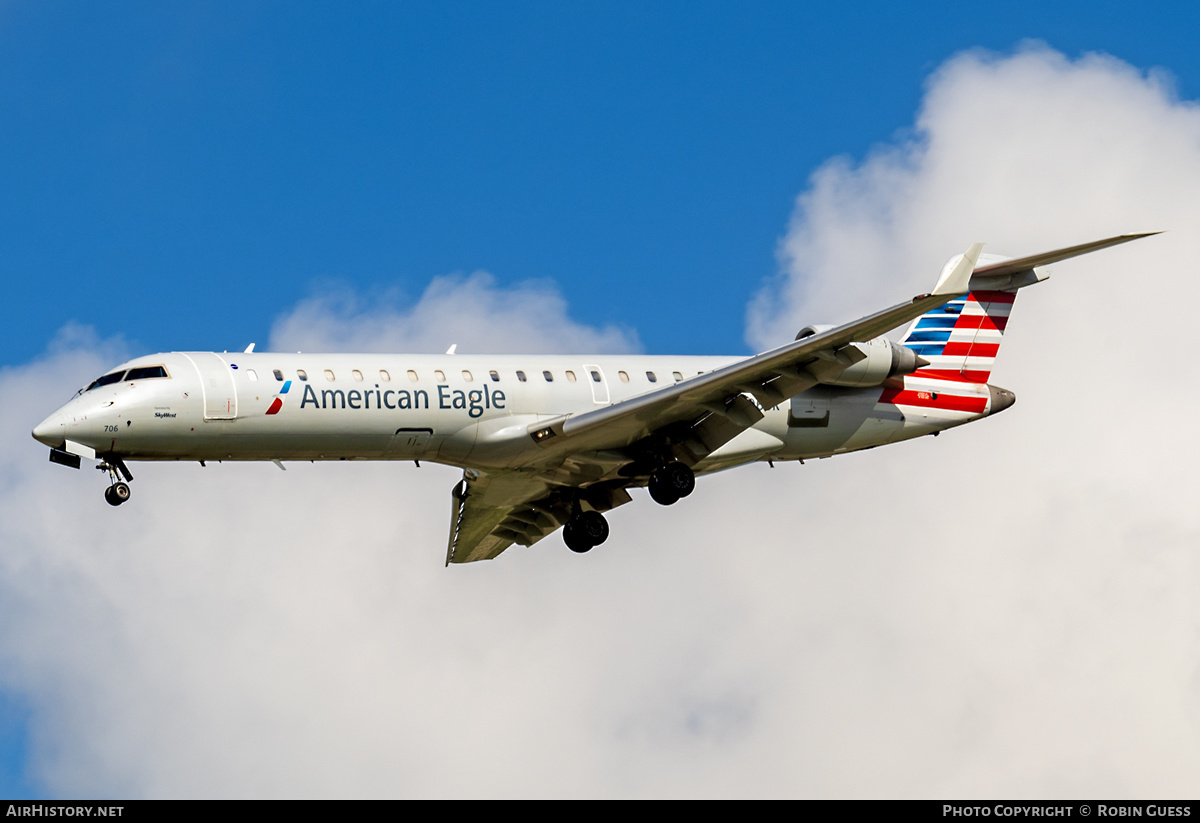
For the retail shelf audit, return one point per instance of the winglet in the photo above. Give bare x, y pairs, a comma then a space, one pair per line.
957, 280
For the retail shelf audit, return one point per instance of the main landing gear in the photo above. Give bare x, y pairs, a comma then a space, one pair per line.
670, 483
118, 489
585, 530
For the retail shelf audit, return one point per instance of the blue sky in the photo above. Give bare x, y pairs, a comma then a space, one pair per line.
185, 176
181, 174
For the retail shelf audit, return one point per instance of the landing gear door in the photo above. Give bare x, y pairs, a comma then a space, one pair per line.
595, 379
216, 383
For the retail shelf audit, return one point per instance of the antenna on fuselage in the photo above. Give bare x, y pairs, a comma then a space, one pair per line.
451, 349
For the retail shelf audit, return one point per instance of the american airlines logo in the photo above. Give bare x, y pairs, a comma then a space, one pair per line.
277, 403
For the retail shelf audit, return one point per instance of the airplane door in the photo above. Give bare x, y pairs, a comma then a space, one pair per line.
595, 378
216, 383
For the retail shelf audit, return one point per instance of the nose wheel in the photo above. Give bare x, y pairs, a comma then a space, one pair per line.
117, 493
118, 490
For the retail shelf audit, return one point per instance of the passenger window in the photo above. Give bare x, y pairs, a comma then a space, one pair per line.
467, 376
521, 376
302, 374
357, 375
412, 375
651, 377
384, 376
624, 376
278, 375
329, 375
570, 377
549, 377
495, 375
677, 376
440, 375
595, 376
249, 373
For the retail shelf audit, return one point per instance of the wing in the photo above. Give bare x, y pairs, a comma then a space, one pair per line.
770, 377
776, 375
591, 458
492, 510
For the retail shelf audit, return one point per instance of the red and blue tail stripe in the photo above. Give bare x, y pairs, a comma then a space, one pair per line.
960, 341
961, 338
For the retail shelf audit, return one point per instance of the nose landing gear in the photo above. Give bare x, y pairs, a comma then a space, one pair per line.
118, 490
117, 493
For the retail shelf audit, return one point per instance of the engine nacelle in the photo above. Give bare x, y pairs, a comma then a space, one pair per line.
863, 364
809, 331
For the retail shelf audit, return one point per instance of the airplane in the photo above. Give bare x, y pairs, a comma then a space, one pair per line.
555, 441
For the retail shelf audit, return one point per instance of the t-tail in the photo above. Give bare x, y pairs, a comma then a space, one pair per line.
960, 339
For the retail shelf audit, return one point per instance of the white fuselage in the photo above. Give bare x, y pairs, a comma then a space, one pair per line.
443, 408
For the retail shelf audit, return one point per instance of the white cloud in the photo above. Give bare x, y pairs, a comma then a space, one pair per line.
472, 312
1024, 152
1049, 551
1004, 611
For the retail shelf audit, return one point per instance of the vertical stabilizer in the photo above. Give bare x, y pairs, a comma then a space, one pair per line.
960, 339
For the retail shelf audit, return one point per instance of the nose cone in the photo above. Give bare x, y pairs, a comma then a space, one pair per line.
1001, 399
52, 431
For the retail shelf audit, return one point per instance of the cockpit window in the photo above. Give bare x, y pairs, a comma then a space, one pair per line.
106, 380
143, 372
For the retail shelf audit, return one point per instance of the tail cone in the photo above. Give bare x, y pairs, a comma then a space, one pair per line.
1001, 399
